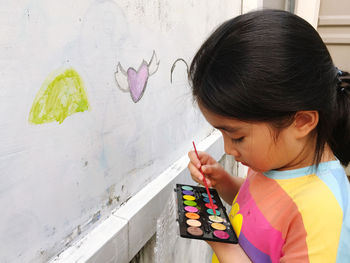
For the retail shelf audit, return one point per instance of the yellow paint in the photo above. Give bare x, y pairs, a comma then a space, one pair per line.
218, 226
60, 96
189, 197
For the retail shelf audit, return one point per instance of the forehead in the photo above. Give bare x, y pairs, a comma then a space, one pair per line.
222, 122
232, 125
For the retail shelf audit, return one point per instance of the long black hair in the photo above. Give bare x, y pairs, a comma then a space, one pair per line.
266, 65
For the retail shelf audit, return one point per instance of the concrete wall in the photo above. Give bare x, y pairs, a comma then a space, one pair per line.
92, 113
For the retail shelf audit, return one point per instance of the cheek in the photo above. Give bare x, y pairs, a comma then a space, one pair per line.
261, 155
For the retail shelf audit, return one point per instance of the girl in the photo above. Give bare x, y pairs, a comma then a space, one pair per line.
267, 82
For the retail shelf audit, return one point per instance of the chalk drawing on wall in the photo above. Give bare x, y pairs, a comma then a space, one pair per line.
134, 81
61, 95
173, 68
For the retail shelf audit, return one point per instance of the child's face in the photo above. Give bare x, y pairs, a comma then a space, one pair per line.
254, 145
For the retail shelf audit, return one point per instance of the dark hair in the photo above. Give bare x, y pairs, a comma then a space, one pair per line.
266, 65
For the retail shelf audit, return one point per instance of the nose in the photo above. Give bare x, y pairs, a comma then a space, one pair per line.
230, 149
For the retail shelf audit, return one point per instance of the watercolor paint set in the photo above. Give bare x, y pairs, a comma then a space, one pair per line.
196, 217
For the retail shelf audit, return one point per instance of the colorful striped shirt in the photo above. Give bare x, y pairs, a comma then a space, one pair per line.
299, 215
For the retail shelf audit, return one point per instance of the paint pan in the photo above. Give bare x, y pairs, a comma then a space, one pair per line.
189, 197
209, 206
196, 217
206, 200
211, 212
191, 209
190, 203
196, 223
186, 192
192, 215
195, 231
216, 219
218, 226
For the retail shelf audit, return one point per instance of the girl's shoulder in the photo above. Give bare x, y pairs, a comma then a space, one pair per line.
309, 188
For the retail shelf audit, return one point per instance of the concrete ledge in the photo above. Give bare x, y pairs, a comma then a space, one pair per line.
103, 244
126, 231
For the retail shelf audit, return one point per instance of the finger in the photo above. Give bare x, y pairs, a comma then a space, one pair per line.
195, 173
194, 159
198, 177
209, 182
203, 158
207, 169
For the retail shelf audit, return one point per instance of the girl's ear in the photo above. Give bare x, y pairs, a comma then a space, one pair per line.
305, 122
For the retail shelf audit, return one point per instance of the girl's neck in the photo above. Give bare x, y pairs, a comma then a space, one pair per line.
306, 158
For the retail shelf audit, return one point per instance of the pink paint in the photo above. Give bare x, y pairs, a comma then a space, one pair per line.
191, 209
137, 81
221, 234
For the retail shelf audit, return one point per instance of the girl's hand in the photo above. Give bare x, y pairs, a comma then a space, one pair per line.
213, 171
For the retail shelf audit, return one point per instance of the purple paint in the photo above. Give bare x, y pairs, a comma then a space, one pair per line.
185, 192
221, 234
191, 209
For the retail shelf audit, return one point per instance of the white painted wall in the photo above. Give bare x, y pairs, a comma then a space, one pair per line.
308, 10
133, 226
251, 5
60, 181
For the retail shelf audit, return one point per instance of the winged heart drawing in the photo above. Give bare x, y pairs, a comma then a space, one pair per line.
135, 81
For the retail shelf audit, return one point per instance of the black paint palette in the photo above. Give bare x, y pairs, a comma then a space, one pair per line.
196, 217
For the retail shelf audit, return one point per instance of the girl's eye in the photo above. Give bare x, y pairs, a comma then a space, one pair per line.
237, 140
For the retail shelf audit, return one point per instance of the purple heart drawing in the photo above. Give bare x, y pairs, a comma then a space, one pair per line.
134, 81
138, 81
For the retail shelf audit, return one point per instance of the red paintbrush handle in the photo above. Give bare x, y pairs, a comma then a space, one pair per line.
205, 182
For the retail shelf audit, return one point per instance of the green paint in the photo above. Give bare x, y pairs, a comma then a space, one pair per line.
190, 203
60, 96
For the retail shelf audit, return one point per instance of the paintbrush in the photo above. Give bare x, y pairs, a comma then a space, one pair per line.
205, 181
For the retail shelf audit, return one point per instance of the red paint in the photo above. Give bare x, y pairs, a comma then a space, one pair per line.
211, 206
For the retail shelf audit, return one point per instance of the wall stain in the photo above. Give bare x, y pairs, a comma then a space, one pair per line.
127, 199
143, 166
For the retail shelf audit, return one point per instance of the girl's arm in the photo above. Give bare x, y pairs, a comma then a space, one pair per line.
216, 176
228, 253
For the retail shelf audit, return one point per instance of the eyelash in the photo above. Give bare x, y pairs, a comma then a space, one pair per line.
238, 140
